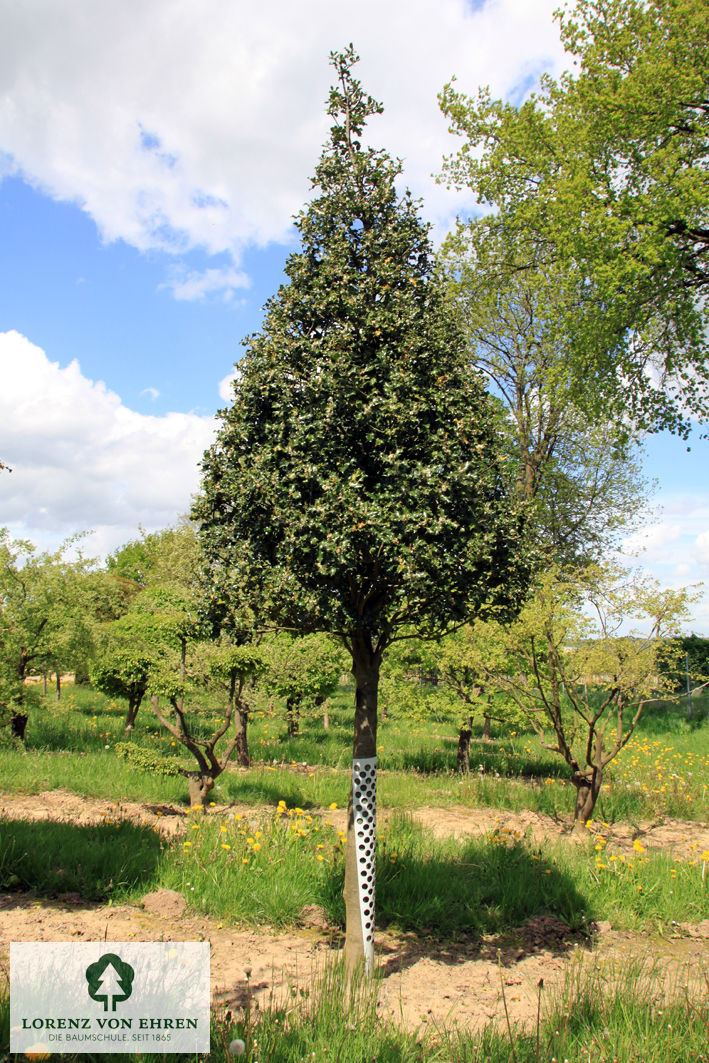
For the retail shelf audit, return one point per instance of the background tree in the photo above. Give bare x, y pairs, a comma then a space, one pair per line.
215, 685
605, 172
302, 670
576, 677
580, 475
44, 619
355, 485
685, 664
165, 558
129, 650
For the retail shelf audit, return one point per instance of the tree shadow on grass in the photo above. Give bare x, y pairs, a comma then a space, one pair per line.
99, 862
459, 898
250, 790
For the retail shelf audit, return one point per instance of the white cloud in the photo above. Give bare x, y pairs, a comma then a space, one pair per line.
199, 123
652, 541
226, 386
152, 393
211, 282
701, 548
82, 460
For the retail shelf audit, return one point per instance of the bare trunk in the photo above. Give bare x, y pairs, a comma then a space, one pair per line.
587, 791
359, 921
18, 723
133, 706
200, 787
321, 703
242, 743
464, 736
58, 694
293, 717
44, 683
486, 729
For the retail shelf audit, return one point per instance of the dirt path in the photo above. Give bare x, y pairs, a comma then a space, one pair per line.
423, 984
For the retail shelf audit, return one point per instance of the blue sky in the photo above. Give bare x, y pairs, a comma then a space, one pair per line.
151, 159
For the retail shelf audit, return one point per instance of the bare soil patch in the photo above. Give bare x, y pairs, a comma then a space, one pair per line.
423, 983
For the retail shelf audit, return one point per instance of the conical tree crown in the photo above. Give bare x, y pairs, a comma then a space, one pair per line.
355, 482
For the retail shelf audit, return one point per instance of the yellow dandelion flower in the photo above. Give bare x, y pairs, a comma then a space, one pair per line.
223, 828
224, 846
257, 846
638, 846
333, 805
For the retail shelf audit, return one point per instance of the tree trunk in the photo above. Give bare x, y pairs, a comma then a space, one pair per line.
59, 687
18, 723
464, 736
587, 791
44, 683
486, 729
293, 716
359, 927
321, 700
200, 787
241, 722
133, 706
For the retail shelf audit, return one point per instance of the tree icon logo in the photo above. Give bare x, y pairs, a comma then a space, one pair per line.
110, 980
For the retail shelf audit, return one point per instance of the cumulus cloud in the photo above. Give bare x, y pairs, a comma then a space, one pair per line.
226, 385
652, 540
82, 460
223, 282
701, 548
198, 124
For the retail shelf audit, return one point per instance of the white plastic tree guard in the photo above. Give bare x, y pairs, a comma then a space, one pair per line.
364, 803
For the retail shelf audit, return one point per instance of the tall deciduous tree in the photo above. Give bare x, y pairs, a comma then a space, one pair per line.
355, 484
606, 171
579, 474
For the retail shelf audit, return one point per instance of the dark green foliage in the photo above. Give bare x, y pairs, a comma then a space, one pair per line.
685, 657
356, 483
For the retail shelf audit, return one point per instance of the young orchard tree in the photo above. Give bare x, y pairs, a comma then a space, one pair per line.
128, 650
463, 661
217, 670
300, 670
355, 484
44, 620
579, 681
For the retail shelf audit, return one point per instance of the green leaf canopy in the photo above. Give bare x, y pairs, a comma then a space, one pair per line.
356, 483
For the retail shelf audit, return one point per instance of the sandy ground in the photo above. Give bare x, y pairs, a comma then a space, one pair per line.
423, 984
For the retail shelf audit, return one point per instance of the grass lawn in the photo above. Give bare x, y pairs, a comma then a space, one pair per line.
263, 868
